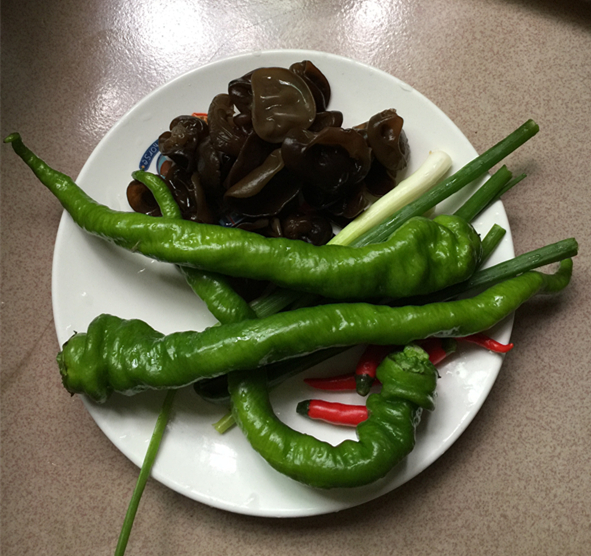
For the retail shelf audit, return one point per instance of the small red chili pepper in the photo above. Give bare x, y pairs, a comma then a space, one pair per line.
365, 373
200, 115
333, 412
438, 348
334, 383
484, 341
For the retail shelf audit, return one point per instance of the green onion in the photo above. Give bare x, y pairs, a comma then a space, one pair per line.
491, 240
484, 195
467, 174
408, 190
145, 472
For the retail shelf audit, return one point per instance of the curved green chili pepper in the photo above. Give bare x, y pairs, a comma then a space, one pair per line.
384, 439
129, 356
422, 256
213, 288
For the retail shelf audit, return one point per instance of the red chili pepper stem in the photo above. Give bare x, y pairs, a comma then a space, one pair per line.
365, 373
486, 342
333, 412
363, 384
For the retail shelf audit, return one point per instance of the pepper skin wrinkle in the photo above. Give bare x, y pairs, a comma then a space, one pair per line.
129, 356
384, 439
422, 256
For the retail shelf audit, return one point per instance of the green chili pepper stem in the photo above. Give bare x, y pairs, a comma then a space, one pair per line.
130, 356
145, 471
225, 423
484, 195
491, 240
467, 174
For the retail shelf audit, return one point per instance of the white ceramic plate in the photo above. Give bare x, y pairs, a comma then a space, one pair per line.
91, 277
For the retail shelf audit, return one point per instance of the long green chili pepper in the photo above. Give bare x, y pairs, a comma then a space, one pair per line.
129, 356
385, 438
420, 257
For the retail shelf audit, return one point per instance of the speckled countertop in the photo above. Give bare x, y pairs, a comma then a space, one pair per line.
518, 481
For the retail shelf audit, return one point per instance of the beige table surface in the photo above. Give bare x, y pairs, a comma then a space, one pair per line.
519, 479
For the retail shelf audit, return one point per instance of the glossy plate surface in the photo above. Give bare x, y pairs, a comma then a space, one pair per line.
91, 277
